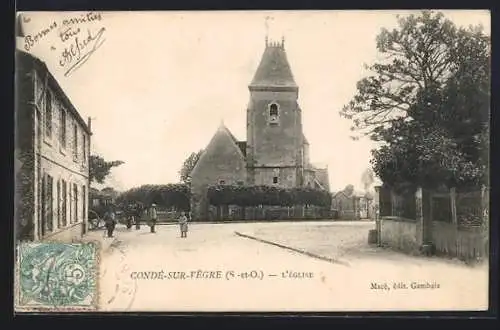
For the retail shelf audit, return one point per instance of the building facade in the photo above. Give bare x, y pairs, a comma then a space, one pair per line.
355, 206
52, 147
275, 152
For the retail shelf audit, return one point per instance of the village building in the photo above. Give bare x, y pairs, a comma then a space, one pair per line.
52, 145
275, 152
354, 206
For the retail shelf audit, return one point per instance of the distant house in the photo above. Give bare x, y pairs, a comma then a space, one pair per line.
99, 199
354, 206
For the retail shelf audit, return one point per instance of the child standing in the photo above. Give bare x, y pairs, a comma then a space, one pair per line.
183, 223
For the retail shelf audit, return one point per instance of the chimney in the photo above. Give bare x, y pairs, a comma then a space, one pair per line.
89, 124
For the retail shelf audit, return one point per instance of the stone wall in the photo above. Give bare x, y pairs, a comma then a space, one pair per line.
399, 234
287, 177
277, 144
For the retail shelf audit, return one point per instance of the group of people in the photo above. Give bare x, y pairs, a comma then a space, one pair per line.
137, 213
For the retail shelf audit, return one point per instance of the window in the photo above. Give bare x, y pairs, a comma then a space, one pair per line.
48, 115
240, 183
275, 179
221, 182
84, 147
75, 196
43, 222
273, 114
50, 203
70, 203
62, 124
59, 204
75, 142
273, 110
64, 202
84, 202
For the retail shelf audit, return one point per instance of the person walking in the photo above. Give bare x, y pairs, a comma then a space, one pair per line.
153, 217
129, 213
137, 216
183, 224
110, 221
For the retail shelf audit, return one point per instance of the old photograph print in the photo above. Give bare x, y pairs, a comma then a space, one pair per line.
263, 161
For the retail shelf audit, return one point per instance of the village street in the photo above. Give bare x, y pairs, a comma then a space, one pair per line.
227, 272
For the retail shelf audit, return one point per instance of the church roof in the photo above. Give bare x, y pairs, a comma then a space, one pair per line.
242, 145
274, 69
223, 140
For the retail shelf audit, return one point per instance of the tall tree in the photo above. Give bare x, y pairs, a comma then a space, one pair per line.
428, 102
169, 195
188, 165
349, 189
100, 169
367, 178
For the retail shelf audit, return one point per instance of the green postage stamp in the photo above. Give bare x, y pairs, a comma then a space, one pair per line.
57, 276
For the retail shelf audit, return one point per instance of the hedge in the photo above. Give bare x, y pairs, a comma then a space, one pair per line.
267, 195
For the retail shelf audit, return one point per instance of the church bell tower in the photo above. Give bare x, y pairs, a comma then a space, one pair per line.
274, 122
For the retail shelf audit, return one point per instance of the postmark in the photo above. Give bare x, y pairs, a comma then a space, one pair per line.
120, 291
57, 276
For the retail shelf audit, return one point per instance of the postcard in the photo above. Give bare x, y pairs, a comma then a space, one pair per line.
252, 161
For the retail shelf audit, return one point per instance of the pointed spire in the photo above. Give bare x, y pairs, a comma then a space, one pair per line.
266, 24
274, 69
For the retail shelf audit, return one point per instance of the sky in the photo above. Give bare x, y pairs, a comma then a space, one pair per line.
160, 83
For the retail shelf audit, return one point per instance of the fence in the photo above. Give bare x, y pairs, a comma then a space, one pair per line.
454, 222
236, 213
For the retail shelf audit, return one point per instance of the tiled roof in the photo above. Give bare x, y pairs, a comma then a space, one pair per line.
274, 69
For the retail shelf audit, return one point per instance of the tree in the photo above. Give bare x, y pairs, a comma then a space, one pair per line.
188, 165
416, 56
367, 178
169, 195
349, 189
428, 103
100, 169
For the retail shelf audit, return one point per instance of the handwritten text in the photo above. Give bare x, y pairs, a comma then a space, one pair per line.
80, 49
32, 40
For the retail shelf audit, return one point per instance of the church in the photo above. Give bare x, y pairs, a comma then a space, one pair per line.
276, 152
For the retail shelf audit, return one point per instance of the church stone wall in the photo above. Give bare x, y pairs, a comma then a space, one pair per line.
309, 177
274, 145
222, 160
287, 177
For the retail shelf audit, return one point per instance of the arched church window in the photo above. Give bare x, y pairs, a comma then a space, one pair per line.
273, 113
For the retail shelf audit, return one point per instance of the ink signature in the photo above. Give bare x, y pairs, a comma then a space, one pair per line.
80, 51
